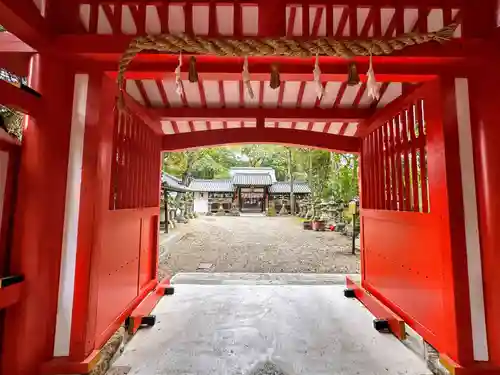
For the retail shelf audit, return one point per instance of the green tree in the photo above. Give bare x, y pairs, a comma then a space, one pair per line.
330, 175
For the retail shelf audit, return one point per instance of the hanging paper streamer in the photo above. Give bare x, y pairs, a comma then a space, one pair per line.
372, 85
178, 80
320, 90
246, 78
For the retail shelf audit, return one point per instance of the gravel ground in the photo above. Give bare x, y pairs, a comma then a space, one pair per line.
256, 244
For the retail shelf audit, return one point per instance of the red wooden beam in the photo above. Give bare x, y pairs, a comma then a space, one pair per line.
182, 141
16, 98
163, 93
272, 18
298, 103
222, 95
297, 114
143, 114
146, 306
277, 3
143, 93
23, 19
389, 72
15, 55
11, 43
111, 47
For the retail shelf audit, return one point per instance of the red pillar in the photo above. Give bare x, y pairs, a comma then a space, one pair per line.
472, 104
446, 198
485, 99
38, 222
94, 201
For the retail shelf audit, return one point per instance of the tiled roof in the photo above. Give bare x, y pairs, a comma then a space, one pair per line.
173, 183
299, 187
213, 186
255, 179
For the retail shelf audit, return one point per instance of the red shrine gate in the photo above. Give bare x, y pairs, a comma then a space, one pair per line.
84, 228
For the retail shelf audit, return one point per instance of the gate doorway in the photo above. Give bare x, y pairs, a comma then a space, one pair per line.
85, 226
252, 200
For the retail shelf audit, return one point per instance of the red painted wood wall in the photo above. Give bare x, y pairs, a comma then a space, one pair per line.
130, 224
407, 218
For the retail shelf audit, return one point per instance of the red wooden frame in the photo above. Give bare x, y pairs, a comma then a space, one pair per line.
16, 98
332, 142
389, 168
276, 114
146, 306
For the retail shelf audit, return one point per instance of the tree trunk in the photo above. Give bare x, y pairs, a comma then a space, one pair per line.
290, 175
355, 188
310, 174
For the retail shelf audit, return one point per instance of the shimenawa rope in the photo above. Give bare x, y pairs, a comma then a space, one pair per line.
272, 47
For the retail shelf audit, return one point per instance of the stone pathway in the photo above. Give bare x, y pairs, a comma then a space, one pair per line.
255, 244
265, 330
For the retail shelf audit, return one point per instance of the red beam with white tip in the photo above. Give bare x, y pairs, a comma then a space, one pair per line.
16, 98
23, 19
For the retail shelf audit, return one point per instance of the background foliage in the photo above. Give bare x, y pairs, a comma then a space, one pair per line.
13, 119
329, 174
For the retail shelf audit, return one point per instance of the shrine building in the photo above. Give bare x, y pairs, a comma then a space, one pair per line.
250, 189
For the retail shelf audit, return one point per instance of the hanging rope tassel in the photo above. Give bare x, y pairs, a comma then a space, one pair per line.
179, 89
246, 78
193, 73
372, 85
275, 77
320, 90
352, 75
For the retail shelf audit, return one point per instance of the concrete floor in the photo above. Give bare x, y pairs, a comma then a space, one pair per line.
234, 329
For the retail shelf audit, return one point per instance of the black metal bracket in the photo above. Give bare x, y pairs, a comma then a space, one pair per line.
381, 325
149, 320
169, 290
349, 293
11, 280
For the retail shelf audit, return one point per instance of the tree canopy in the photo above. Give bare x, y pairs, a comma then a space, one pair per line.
329, 174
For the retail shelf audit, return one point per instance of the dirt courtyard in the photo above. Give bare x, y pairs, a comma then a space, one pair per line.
255, 244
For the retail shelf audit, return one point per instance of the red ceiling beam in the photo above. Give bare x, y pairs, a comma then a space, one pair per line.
11, 43
277, 3
16, 98
286, 114
182, 141
408, 68
15, 55
23, 19
111, 47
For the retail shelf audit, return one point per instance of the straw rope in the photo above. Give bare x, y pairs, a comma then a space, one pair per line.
273, 47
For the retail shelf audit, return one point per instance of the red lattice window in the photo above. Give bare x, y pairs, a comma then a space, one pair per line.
395, 163
136, 164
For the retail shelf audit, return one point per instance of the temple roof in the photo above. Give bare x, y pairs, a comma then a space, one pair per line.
255, 179
173, 183
212, 186
299, 187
